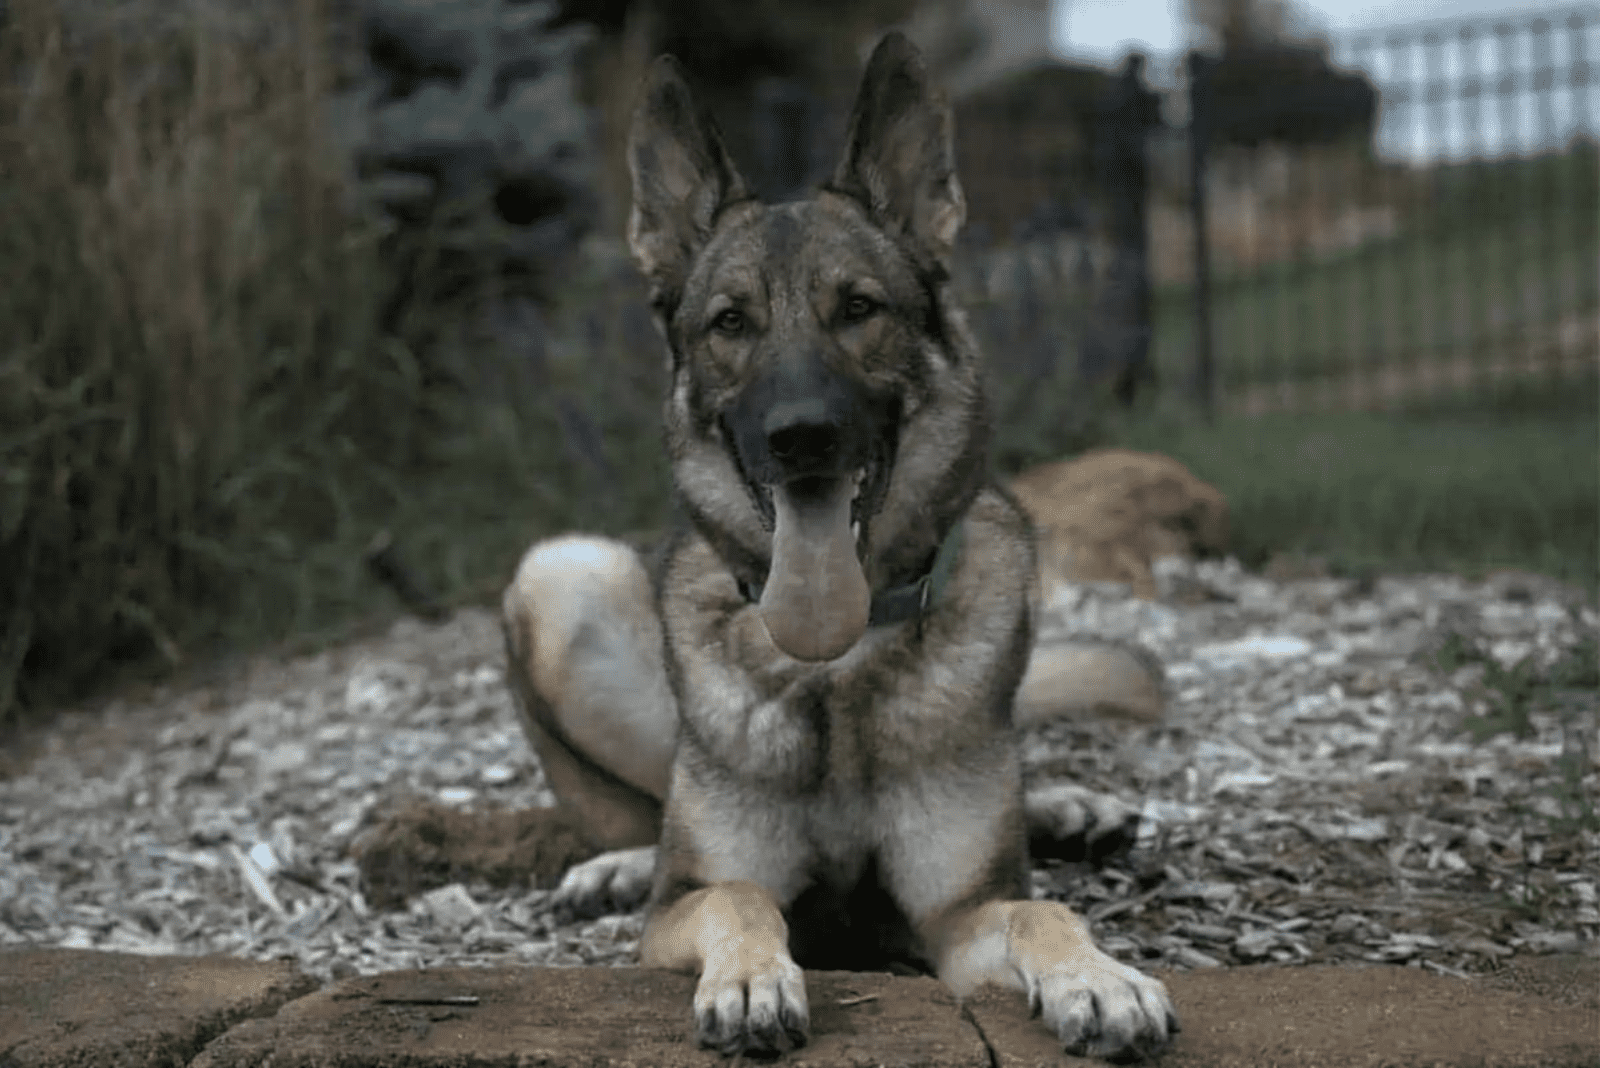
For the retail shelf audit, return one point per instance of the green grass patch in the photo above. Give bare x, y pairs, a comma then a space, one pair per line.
1496, 264
1574, 395
1455, 491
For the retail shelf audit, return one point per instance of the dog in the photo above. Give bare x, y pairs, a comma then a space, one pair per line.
808, 702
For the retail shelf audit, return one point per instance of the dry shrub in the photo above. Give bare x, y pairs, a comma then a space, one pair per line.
182, 308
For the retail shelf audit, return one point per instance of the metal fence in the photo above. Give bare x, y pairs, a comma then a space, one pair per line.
1450, 247
1388, 217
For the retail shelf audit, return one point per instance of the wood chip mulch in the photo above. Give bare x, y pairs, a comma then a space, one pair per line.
1315, 792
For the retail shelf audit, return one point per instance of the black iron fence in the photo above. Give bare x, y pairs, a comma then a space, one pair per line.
1389, 217
1438, 235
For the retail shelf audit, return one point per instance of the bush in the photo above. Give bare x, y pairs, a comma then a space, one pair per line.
200, 424
166, 209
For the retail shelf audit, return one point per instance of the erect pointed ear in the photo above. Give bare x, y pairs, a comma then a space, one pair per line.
899, 160
682, 178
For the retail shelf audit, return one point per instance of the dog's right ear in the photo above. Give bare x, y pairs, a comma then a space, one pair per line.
682, 178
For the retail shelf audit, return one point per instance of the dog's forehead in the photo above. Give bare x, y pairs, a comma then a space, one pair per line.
824, 241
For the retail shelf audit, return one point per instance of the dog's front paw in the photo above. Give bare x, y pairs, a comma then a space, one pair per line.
751, 999
617, 881
1102, 1008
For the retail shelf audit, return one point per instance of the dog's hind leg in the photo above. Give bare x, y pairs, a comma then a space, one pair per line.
1073, 677
1070, 822
1065, 680
584, 658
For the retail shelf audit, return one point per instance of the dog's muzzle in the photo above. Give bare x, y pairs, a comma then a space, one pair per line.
814, 451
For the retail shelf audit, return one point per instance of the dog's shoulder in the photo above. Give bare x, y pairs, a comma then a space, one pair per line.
998, 550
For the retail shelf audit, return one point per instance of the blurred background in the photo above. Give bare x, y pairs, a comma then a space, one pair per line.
294, 293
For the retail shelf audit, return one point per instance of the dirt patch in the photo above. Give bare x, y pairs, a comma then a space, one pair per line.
1562, 351
426, 844
1566, 980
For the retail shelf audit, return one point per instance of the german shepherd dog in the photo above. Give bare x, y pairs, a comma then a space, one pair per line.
810, 704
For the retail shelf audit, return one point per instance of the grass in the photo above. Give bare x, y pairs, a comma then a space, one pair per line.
1457, 490
1496, 262
166, 381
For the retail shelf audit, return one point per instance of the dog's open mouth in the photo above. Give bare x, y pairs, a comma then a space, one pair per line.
816, 600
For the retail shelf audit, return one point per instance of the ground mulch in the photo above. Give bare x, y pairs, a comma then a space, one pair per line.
1313, 795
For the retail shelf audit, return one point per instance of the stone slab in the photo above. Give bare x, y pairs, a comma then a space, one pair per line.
1339, 1017
593, 1017
79, 1007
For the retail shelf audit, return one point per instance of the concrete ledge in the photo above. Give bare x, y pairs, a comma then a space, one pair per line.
554, 1017
79, 1007
69, 1007
1337, 1017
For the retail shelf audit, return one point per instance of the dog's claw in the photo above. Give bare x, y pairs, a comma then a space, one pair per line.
1109, 1010
759, 1010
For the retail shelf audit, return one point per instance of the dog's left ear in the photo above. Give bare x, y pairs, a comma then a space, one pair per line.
899, 160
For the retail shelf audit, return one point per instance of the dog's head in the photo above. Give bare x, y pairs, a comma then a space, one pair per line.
825, 420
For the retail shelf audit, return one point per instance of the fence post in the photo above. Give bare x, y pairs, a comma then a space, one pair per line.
1199, 133
1118, 343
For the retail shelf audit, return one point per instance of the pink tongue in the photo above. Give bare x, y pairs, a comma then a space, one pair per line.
816, 601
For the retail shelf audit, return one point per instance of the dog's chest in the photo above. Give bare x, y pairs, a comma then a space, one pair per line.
841, 833
866, 720
902, 700
841, 908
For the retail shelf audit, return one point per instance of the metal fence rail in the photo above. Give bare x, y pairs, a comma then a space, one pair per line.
1452, 249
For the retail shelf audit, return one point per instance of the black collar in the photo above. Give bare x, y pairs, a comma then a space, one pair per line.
908, 600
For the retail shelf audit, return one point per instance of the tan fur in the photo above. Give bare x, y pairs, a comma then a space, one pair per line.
847, 813
1043, 949
1066, 677
583, 642
1107, 515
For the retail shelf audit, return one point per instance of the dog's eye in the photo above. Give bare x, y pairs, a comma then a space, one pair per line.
729, 322
858, 308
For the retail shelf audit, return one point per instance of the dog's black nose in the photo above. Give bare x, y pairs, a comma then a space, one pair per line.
801, 436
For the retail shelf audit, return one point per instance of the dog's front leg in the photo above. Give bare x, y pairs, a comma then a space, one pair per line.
751, 996
1095, 1005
